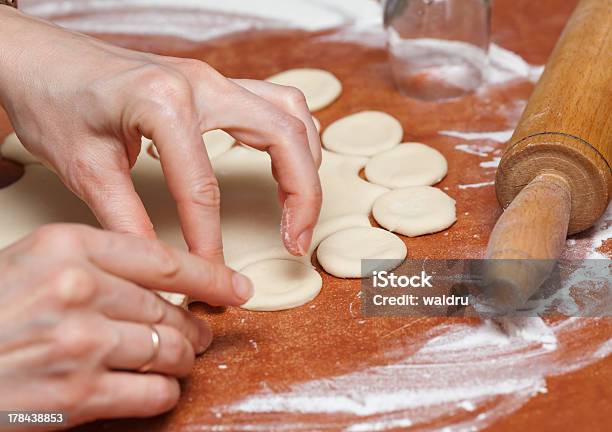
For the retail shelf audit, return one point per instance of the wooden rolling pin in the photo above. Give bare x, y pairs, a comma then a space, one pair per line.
554, 178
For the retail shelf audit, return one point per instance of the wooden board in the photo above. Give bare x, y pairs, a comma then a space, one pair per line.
328, 338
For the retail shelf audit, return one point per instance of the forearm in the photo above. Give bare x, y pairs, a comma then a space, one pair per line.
38, 57
16, 34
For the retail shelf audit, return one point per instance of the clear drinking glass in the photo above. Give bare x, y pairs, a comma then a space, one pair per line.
438, 49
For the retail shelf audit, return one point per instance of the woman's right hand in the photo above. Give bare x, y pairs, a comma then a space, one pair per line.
81, 105
76, 309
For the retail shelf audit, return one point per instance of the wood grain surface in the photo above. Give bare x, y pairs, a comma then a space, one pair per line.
327, 337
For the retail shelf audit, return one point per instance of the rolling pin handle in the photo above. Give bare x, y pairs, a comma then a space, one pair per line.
526, 242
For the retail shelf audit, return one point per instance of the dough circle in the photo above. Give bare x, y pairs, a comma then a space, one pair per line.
317, 123
13, 149
281, 284
410, 164
320, 87
415, 210
216, 142
365, 133
341, 253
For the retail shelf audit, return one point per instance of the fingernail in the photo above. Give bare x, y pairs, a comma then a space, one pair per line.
304, 241
243, 287
205, 337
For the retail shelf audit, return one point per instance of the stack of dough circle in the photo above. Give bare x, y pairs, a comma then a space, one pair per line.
414, 211
365, 133
320, 87
410, 164
281, 284
341, 253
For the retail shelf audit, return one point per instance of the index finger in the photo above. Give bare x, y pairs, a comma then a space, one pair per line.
151, 264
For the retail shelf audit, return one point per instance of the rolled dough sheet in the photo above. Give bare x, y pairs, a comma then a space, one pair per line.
281, 284
365, 133
250, 211
341, 253
415, 210
410, 164
320, 87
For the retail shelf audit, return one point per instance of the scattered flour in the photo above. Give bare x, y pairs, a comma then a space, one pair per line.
497, 136
492, 163
478, 370
475, 149
506, 66
476, 185
602, 231
200, 20
358, 21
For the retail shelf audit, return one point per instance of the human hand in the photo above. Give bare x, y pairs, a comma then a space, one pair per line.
81, 106
76, 310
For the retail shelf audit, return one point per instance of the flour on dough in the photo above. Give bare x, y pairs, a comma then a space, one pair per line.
410, 164
11, 148
365, 133
341, 253
216, 142
281, 284
415, 210
320, 87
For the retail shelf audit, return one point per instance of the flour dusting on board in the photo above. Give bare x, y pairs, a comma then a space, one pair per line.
201, 20
602, 231
476, 185
465, 377
497, 136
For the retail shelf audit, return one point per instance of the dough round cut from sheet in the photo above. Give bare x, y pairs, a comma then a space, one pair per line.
320, 87
12, 149
415, 210
365, 133
317, 123
216, 142
281, 284
410, 164
341, 253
